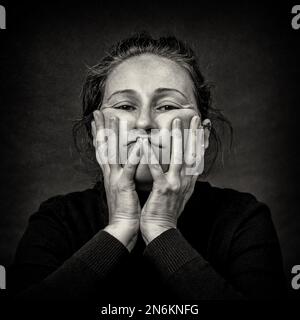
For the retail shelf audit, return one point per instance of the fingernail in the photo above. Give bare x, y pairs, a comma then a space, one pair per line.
197, 119
177, 122
144, 141
95, 114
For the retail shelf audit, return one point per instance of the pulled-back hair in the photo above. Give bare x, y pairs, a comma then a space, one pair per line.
143, 43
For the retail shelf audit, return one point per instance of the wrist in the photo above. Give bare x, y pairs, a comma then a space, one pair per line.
152, 231
125, 232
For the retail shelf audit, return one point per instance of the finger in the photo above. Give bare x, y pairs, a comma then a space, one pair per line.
197, 168
113, 143
197, 164
176, 148
100, 140
200, 147
99, 120
153, 164
191, 148
133, 160
101, 134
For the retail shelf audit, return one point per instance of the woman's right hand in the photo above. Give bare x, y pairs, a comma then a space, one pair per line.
122, 199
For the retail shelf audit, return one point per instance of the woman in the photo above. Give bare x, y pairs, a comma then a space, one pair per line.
149, 230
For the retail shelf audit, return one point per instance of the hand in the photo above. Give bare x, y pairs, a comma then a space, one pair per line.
122, 199
171, 190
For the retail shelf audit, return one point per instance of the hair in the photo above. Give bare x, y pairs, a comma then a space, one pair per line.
143, 43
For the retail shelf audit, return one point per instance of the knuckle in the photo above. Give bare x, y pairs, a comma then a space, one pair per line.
169, 188
175, 186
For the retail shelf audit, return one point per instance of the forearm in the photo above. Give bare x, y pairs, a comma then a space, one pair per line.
185, 272
83, 273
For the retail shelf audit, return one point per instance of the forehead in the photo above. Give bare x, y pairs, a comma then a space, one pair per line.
147, 72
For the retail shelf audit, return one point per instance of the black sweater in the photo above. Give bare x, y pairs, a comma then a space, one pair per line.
225, 247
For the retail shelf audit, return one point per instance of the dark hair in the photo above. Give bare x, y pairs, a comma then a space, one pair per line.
142, 43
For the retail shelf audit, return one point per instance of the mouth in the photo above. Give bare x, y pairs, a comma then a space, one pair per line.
151, 143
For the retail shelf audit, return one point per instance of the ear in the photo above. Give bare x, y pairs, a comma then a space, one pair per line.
206, 123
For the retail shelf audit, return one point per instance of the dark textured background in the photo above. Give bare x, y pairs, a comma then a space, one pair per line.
250, 52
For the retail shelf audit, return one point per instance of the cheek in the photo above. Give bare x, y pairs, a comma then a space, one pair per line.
122, 116
164, 121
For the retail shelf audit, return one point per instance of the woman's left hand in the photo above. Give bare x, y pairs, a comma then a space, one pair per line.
172, 190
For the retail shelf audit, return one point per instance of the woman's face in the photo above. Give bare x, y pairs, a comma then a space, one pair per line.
149, 92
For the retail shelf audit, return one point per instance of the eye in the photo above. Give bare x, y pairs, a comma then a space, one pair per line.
167, 107
125, 107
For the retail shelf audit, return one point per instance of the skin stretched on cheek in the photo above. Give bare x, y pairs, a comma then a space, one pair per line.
143, 78
164, 122
143, 176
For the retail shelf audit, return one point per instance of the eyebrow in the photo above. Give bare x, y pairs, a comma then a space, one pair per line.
129, 91
158, 90
162, 90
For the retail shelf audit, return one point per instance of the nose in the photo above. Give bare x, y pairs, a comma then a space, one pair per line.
145, 120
